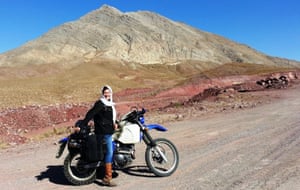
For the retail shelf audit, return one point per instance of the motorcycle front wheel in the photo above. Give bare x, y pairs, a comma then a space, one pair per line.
163, 158
75, 171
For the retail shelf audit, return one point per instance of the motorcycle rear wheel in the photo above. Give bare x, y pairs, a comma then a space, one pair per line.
76, 173
163, 158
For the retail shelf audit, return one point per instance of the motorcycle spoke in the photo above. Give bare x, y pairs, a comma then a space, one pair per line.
161, 153
163, 157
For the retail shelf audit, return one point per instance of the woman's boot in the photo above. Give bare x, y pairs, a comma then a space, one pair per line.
107, 180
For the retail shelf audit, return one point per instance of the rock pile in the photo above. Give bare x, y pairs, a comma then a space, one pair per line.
210, 92
281, 82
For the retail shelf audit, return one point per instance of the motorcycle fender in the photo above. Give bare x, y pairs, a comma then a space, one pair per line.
65, 139
157, 127
63, 143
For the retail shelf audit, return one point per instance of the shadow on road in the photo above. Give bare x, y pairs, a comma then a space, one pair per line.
55, 174
139, 171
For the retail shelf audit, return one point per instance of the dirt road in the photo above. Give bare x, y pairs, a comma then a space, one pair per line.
257, 148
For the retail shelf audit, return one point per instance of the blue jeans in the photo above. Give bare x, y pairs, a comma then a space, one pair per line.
109, 149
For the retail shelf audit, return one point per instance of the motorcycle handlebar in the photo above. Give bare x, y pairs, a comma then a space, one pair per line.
137, 113
142, 112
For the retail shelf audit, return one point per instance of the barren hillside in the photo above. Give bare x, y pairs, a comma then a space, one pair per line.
126, 50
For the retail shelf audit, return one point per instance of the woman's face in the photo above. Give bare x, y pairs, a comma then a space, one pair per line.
107, 94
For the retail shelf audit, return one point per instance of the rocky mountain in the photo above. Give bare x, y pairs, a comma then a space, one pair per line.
132, 37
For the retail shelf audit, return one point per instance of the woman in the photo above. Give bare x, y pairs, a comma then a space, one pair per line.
104, 115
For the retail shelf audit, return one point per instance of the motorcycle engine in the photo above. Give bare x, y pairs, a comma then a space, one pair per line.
122, 160
124, 155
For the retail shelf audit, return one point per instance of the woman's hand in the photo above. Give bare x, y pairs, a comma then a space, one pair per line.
75, 129
116, 126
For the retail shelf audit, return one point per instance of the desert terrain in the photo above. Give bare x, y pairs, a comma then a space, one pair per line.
233, 140
231, 110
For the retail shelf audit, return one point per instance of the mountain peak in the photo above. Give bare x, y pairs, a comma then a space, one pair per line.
103, 11
107, 8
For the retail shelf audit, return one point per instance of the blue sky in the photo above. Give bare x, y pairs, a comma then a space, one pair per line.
269, 26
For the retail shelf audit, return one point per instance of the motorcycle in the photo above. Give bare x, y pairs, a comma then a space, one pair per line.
86, 150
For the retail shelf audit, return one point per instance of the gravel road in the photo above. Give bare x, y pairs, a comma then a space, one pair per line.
257, 148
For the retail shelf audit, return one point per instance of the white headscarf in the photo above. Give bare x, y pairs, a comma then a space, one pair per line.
109, 102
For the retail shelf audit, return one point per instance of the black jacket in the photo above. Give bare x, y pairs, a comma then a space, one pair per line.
103, 118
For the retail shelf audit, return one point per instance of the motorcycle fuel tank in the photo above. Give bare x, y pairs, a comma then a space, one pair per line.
130, 134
